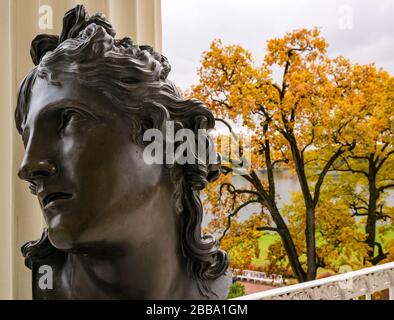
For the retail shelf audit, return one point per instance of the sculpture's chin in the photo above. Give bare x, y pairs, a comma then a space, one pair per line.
64, 230
62, 240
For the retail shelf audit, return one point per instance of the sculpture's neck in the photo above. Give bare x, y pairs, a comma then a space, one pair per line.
156, 273
139, 265
150, 274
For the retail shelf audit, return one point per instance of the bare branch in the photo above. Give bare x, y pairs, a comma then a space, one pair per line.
232, 190
255, 180
384, 160
359, 157
226, 170
310, 142
349, 168
359, 214
267, 116
267, 229
381, 254
231, 215
279, 161
277, 88
387, 186
383, 217
385, 146
221, 102
228, 126
324, 172
311, 160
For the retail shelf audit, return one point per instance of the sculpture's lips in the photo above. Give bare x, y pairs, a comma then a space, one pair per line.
54, 196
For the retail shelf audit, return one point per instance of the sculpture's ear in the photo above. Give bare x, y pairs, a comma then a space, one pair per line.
42, 44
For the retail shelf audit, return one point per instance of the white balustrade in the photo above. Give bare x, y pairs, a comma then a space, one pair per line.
347, 286
257, 276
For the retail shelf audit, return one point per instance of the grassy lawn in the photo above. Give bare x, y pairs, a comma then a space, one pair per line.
264, 242
268, 239
389, 236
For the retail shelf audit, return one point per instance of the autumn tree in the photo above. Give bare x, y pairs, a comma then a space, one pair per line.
390, 247
339, 241
313, 105
231, 86
238, 238
372, 160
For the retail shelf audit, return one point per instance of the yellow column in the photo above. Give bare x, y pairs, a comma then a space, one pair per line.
138, 19
94, 6
123, 16
27, 214
149, 23
20, 216
7, 82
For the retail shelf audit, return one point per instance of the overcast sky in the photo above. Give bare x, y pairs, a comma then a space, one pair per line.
361, 30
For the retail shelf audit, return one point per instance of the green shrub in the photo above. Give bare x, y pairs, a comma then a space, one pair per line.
237, 289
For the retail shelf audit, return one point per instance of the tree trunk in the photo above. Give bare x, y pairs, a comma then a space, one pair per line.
370, 228
289, 245
311, 243
281, 227
310, 211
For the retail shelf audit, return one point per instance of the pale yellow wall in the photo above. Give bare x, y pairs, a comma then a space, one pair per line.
20, 217
6, 178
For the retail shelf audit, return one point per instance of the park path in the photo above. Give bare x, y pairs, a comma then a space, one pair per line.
254, 287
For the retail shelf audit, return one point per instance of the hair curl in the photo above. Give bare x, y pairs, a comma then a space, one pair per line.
135, 79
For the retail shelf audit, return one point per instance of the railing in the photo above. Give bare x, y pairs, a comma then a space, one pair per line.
347, 286
258, 277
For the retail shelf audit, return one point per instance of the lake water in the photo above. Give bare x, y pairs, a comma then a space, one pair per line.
286, 183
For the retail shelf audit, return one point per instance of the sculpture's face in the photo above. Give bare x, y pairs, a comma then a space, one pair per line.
92, 182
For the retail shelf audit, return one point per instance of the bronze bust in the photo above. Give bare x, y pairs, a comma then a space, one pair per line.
117, 227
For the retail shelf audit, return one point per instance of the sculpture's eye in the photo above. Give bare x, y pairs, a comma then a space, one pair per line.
68, 116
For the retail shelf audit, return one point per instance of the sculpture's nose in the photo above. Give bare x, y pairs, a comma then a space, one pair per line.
36, 169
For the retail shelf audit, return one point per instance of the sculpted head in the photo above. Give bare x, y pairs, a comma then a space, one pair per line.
82, 112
